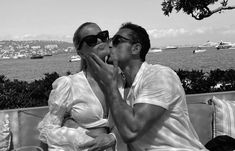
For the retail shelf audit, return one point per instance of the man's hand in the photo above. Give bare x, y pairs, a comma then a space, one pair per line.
100, 142
104, 74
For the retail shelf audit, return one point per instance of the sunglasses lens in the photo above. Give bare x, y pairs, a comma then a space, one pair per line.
104, 36
116, 40
91, 40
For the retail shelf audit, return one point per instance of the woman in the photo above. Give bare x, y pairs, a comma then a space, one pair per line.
77, 95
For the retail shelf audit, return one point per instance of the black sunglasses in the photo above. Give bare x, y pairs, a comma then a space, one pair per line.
117, 39
92, 40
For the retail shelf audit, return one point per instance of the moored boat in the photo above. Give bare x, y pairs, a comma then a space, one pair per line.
171, 47
198, 50
36, 56
75, 58
153, 50
224, 45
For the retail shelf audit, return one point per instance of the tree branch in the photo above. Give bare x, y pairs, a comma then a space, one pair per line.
222, 8
209, 12
198, 10
201, 13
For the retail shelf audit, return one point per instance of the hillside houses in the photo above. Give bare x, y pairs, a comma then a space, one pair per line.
25, 49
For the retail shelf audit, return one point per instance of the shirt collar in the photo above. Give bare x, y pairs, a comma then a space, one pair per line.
139, 73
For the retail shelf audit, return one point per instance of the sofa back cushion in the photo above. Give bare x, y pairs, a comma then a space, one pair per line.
23, 125
201, 114
201, 117
224, 117
5, 133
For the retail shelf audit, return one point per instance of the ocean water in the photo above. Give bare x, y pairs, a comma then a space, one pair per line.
181, 58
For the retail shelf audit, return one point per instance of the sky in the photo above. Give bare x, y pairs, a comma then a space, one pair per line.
58, 20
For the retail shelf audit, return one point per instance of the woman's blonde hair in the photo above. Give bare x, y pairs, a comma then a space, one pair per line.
76, 41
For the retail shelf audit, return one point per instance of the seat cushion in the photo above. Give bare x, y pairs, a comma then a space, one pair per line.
201, 117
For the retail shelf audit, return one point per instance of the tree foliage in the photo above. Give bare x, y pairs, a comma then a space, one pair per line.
22, 94
198, 9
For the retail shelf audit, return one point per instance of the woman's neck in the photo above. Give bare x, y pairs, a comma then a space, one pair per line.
87, 72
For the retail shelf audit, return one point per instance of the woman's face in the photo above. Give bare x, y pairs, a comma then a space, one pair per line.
93, 40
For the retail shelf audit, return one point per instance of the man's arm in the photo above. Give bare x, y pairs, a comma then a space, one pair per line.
131, 122
111, 141
100, 142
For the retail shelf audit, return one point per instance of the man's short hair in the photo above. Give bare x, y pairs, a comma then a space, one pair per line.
139, 35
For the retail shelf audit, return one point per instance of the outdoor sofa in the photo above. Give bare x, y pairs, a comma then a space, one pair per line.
202, 112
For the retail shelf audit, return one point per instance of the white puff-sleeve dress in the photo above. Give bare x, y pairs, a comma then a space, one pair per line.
71, 94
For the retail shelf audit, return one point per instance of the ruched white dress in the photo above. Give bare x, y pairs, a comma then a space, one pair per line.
71, 94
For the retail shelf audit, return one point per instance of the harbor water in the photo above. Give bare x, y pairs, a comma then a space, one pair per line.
180, 58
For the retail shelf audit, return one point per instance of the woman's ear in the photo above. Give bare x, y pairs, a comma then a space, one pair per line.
136, 48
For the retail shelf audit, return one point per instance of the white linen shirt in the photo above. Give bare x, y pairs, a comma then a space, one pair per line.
160, 85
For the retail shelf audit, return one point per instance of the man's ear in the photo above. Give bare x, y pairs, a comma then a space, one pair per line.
136, 48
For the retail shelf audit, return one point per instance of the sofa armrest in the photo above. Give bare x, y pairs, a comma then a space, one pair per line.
201, 117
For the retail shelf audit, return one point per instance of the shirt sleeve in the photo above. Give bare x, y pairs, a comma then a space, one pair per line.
158, 88
51, 131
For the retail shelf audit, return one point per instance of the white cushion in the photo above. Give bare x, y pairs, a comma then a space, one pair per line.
224, 117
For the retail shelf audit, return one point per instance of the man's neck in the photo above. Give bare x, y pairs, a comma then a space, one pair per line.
131, 70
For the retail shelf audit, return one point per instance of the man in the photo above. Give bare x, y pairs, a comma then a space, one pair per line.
153, 113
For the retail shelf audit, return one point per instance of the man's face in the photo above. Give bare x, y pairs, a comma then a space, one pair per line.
94, 41
121, 45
